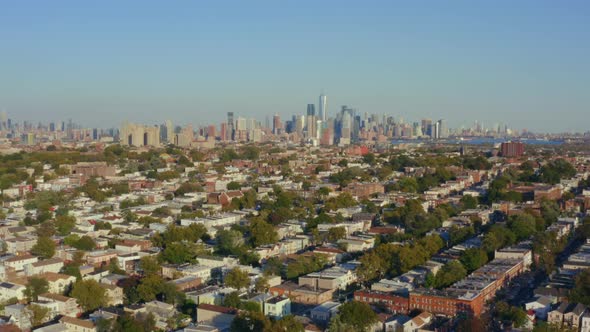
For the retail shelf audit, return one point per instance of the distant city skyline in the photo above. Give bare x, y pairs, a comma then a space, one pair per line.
524, 64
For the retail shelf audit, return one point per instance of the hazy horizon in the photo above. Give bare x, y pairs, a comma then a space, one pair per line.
525, 64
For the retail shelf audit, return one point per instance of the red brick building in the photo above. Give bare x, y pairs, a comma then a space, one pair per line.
512, 149
445, 302
224, 198
364, 189
396, 303
547, 192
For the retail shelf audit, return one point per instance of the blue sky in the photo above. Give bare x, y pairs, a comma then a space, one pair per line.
525, 63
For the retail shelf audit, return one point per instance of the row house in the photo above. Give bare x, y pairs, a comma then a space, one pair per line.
203, 273
217, 262
469, 295
58, 282
396, 303
350, 226
78, 325
98, 258
225, 219
18, 263
285, 247
302, 294
48, 265
567, 315
66, 306
114, 294
331, 278
186, 283
10, 290
289, 228
357, 243
560, 229
129, 262
20, 244
363, 190
223, 198
552, 193
334, 255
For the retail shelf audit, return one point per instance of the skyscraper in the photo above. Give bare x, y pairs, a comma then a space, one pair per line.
443, 131
139, 135
427, 127
3, 120
277, 126
310, 110
169, 132
322, 115
230, 125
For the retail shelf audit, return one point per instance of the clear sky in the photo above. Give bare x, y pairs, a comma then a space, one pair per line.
526, 63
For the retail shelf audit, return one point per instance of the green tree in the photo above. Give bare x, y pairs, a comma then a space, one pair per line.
150, 287
178, 253
262, 232
522, 225
247, 321
36, 287
336, 233
336, 325
286, 324
72, 270
581, 291
555, 170
262, 284
45, 247
234, 186
85, 243
506, 312
114, 267
369, 158
37, 314
237, 278
358, 315
232, 300
46, 229
407, 184
497, 237
250, 152
473, 258
149, 265
89, 294
64, 224
469, 202
449, 274
429, 280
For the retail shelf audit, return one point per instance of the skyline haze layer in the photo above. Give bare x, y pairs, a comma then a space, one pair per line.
524, 64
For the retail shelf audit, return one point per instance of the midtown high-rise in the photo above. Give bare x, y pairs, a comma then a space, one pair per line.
322, 108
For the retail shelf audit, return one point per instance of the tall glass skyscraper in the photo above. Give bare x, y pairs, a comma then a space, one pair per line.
322, 108
310, 110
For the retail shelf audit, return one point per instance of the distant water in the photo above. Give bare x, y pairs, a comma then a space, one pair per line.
481, 141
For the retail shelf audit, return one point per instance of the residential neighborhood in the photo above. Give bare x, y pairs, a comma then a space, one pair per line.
283, 237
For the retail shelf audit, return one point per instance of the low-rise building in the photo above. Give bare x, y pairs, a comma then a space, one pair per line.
324, 312
302, 294
277, 307
48, 265
216, 316
66, 306
78, 325
9, 291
